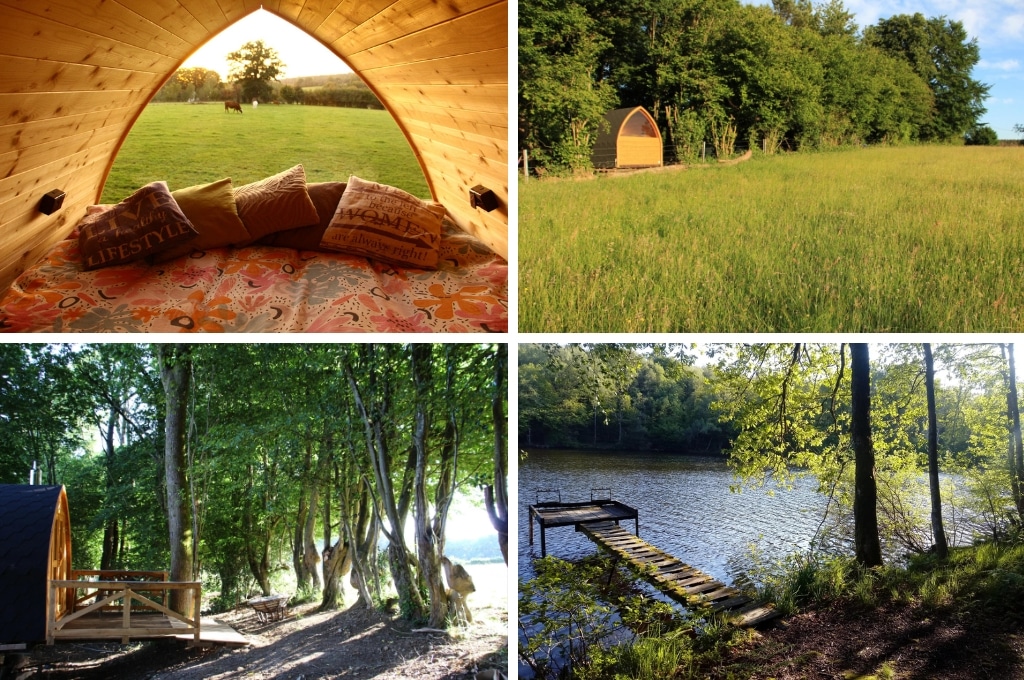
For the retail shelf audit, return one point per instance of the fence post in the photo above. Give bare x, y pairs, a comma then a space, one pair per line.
526, 166
703, 150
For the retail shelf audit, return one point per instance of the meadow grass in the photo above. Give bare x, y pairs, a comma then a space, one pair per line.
188, 144
877, 239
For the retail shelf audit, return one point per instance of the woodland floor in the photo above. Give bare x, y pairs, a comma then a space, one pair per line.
839, 642
354, 644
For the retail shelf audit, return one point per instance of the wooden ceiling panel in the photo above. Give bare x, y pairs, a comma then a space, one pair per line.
27, 35
408, 17
110, 20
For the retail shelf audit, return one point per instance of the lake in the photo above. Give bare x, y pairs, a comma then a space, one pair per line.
685, 507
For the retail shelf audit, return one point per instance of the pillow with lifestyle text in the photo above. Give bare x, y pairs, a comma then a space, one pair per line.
385, 223
143, 224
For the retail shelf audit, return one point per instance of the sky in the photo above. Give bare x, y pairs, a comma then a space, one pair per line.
300, 52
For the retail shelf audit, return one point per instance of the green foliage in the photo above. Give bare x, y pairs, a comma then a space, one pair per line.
981, 135
252, 67
793, 75
939, 52
562, 620
561, 102
586, 396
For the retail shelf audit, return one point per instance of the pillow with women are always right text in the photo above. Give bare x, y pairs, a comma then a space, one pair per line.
385, 223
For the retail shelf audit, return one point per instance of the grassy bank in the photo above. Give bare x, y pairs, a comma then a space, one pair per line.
188, 144
878, 239
954, 619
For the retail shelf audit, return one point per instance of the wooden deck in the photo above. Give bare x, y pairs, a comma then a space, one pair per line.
558, 514
125, 610
104, 626
685, 584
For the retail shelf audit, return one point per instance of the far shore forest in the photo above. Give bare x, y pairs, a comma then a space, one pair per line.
894, 436
260, 468
792, 75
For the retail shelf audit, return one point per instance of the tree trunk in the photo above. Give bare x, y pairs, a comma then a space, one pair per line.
302, 576
337, 562
175, 373
938, 532
865, 518
496, 496
1016, 462
395, 507
429, 544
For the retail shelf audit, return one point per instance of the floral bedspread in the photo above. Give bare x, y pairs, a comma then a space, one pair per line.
263, 289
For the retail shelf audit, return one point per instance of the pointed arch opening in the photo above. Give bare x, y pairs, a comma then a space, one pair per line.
78, 75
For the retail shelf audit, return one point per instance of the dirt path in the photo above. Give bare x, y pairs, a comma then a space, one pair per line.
354, 644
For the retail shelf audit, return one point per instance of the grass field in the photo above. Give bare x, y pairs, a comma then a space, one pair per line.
880, 239
187, 144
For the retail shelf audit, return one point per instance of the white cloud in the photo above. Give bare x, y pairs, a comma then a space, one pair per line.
1004, 65
1012, 26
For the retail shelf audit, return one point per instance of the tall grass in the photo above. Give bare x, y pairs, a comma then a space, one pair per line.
879, 239
187, 144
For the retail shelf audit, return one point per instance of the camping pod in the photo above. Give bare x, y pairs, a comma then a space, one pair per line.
76, 75
629, 140
35, 548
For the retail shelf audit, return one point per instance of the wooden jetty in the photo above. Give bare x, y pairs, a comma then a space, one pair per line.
557, 514
599, 521
686, 585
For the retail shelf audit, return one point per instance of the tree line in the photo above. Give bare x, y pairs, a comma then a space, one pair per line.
254, 75
791, 76
220, 460
874, 426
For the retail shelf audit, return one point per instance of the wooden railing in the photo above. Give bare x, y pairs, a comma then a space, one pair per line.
110, 575
121, 596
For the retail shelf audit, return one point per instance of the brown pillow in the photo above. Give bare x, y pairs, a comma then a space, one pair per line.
145, 223
385, 223
211, 210
275, 204
325, 196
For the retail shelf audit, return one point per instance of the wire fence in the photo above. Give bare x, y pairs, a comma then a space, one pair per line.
607, 160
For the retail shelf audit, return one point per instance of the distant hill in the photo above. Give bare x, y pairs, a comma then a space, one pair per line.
337, 80
483, 549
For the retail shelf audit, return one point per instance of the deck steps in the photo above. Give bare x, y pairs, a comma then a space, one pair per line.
687, 585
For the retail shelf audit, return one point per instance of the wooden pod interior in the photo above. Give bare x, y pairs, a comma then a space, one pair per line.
76, 74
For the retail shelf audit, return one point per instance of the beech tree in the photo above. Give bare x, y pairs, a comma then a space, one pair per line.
176, 374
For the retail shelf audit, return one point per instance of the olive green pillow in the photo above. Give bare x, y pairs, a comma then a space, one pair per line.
211, 210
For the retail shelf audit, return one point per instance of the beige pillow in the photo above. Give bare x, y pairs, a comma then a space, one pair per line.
385, 223
145, 223
325, 196
211, 210
275, 204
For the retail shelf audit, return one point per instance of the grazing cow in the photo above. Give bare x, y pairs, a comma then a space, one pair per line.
232, 105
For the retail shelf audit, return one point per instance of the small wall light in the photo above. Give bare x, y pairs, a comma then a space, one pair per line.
482, 197
51, 202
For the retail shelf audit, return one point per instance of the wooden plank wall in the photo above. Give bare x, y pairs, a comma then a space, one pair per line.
76, 74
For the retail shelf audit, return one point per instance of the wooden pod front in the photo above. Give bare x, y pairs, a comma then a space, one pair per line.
630, 140
76, 74
35, 548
